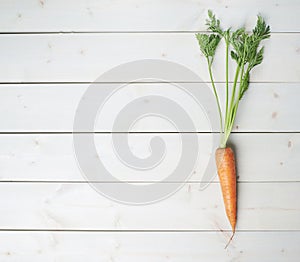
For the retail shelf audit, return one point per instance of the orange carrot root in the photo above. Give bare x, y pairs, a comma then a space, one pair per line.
225, 161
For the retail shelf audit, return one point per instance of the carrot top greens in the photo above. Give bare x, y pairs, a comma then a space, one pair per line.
245, 50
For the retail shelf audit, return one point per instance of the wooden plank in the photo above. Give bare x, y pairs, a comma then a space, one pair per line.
37, 157
154, 246
84, 57
51, 108
78, 206
51, 16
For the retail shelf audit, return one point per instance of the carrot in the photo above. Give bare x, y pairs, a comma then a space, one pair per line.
225, 161
244, 48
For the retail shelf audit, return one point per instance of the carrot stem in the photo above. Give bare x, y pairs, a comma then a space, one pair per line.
215, 92
227, 82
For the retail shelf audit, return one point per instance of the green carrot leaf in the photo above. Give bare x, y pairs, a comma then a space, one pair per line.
213, 23
234, 56
257, 59
261, 30
244, 85
208, 44
245, 50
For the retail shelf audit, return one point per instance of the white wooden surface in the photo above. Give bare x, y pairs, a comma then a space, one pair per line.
51, 50
275, 103
141, 16
148, 246
50, 157
84, 57
77, 206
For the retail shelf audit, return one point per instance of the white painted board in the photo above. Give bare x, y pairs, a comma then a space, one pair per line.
118, 15
148, 246
51, 157
74, 206
84, 57
270, 107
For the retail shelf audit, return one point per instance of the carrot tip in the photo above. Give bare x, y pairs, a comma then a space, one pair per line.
230, 239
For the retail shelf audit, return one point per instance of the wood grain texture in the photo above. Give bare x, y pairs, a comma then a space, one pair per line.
168, 15
84, 57
51, 108
50, 157
50, 213
151, 246
79, 206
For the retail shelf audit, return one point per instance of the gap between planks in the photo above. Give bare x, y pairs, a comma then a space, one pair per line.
123, 32
139, 182
143, 132
137, 82
146, 230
